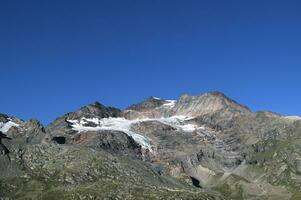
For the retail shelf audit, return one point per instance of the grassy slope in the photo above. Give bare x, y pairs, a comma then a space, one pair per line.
81, 173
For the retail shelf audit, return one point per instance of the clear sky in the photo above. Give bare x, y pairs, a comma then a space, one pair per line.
58, 55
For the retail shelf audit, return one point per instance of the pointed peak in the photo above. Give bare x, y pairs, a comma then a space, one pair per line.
209, 103
213, 94
97, 108
217, 93
228, 99
220, 95
34, 121
93, 110
149, 103
96, 104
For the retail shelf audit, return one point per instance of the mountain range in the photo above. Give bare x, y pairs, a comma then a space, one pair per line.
197, 147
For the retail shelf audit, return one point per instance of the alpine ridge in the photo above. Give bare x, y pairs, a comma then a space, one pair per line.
197, 147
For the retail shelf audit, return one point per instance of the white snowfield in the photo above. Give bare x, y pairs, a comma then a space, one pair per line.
124, 125
4, 127
117, 124
170, 103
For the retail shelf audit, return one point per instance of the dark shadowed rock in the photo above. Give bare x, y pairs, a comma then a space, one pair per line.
115, 142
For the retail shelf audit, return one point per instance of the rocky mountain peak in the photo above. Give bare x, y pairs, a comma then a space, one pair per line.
34, 123
227, 99
97, 104
187, 105
209, 98
94, 106
62, 126
94, 110
148, 104
206, 103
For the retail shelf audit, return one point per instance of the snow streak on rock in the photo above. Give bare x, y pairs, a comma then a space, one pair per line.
170, 103
117, 124
4, 127
124, 125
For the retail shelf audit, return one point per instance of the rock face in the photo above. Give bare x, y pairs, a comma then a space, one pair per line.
147, 105
115, 142
198, 147
23, 134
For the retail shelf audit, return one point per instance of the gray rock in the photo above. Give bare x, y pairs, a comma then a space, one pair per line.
234, 152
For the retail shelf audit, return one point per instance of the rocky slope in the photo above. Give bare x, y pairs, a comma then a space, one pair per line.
197, 147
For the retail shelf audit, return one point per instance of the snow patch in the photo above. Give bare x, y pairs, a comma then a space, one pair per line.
191, 127
177, 121
188, 127
117, 124
157, 98
170, 103
121, 124
4, 127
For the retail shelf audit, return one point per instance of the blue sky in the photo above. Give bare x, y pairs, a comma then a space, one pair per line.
58, 55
